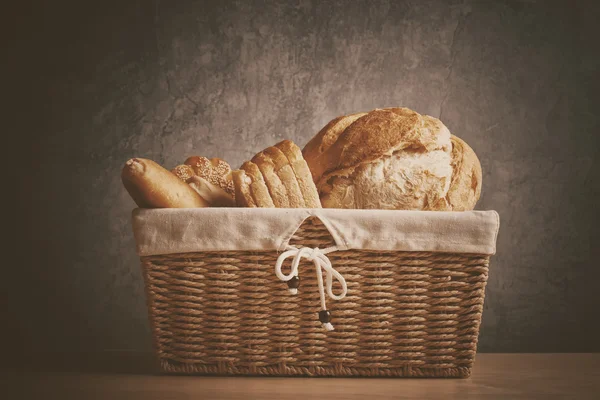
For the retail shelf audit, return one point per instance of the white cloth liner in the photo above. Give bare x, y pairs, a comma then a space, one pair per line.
184, 230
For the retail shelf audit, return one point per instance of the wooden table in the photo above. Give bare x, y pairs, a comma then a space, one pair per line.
132, 376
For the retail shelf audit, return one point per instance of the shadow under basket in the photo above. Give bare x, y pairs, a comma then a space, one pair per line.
405, 314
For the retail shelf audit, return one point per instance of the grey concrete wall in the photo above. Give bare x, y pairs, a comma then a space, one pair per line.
518, 80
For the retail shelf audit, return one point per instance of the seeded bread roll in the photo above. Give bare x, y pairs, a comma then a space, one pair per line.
183, 172
215, 171
393, 158
152, 186
214, 194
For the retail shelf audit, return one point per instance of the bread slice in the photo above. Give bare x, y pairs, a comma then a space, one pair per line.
241, 182
287, 176
326, 137
276, 188
301, 172
258, 187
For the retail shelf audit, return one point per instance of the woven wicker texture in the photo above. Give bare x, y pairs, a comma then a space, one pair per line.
411, 314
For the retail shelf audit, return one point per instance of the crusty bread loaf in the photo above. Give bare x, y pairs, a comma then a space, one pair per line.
393, 158
276, 177
152, 186
465, 187
326, 137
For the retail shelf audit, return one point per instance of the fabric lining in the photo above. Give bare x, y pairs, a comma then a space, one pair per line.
186, 230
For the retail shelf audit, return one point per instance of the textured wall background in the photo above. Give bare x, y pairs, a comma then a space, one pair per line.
518, 80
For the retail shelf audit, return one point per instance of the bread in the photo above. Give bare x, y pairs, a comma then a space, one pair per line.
215, 171
276, 188
465, 187
286, 174
183, 172
301, 172
258, 188
327, 136
152, 186
393, 158
214, 195
241, 183
276, 177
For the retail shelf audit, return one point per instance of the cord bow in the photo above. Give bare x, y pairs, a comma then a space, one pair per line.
321, 262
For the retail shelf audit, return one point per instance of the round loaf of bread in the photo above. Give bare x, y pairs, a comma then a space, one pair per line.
393, 158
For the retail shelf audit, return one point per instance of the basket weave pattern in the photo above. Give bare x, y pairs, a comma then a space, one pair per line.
412, 314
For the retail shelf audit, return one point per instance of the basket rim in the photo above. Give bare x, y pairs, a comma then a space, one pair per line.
168, 231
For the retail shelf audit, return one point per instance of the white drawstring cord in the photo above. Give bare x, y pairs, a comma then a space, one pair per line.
321, 262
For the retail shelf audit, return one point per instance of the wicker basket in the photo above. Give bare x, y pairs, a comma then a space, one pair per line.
406, 314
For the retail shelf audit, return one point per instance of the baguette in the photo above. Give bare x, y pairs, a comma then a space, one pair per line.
152, 186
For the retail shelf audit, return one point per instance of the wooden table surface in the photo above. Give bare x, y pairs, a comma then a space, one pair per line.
132, 376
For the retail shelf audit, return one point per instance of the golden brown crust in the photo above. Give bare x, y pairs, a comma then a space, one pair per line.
301, 172
213, 194
215, 171
378, 133
327, 137
258, 187
396, 158
241, 182
276, 188
286, 174
152, 186
465, 187
183, 172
